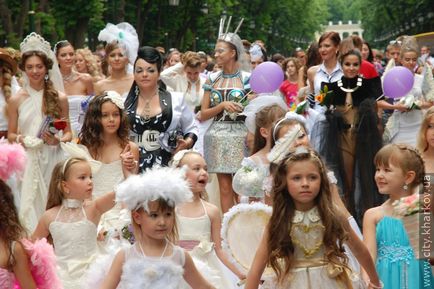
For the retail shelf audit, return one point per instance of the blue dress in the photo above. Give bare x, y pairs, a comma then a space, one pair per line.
396, 264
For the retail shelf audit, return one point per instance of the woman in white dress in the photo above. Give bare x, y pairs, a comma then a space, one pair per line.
34, 104
78, 86
120, 54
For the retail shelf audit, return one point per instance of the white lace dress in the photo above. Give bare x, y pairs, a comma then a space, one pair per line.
40, 163
74, 240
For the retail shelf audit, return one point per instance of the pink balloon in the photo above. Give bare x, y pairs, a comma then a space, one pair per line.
266, 78
398, 82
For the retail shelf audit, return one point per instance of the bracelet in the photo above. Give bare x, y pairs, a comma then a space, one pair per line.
375, 286
17, 139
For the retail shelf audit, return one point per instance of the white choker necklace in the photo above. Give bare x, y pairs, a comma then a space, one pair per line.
359, 83
72, 203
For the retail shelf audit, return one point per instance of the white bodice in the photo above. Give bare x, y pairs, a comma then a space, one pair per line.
107, 177
197, 229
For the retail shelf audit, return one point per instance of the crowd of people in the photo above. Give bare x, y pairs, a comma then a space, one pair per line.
117, 166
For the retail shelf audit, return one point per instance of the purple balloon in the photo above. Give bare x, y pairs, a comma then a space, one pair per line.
398, 82
266, 77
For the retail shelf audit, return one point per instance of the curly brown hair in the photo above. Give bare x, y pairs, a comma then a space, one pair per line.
280, 245
91, 132
51, 103
11, 229
7, 79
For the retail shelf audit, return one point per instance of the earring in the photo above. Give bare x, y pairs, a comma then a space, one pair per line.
405, 187
46, 77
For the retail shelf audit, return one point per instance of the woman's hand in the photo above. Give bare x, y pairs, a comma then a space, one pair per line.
50, 139
231, 106
183, 144
401, 107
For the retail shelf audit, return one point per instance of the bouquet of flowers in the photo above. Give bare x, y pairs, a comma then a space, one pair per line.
410, 102
52, 125
127, 233
325, 96
412, 212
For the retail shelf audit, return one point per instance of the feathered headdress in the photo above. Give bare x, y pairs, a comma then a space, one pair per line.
12, 160
159, 182
123, 33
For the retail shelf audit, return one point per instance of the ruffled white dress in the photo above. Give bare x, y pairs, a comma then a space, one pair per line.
311, 270
75, 113
156, 272
75, 245
40, 163
195, 235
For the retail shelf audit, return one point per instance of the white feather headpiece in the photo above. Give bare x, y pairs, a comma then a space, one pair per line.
282, 146
123, 33
167, 183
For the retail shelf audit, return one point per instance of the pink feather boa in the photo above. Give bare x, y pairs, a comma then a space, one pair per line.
12, 159
42, 264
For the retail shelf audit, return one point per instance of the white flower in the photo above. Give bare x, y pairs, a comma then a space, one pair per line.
115, 98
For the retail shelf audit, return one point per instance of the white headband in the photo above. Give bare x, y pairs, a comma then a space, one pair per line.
288, 116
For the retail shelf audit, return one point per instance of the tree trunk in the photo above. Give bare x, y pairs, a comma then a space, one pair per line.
6, 16
120, 16
80, 32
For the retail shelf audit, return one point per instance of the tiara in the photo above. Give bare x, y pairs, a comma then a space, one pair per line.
35, 42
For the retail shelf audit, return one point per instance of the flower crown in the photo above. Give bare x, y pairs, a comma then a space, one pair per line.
115, 97
35, 42
159, 182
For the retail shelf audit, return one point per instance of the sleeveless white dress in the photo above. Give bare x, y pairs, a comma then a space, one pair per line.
156, 272
75, 245
40, 163
197, 232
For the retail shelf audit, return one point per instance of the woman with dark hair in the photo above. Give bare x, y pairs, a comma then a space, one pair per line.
329, 70
77, 85
161, 123
367, 52
350, 135
39, 102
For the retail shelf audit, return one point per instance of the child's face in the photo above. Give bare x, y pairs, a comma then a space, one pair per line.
197, 173
156, 224
304, 182
302, 139
389, 179
409, 60
110, 117
429, 135
78, 184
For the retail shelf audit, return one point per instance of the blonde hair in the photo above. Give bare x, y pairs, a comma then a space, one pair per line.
403, 156
191, 59
422, 144
60, 174
89, 59
265, 118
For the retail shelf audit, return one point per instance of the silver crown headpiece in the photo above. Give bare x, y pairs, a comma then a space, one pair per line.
35, 42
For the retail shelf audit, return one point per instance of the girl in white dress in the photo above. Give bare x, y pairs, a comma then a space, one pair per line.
105, 137
152, 198
303, 241
78, 86
71, 221
39, 100
200, 224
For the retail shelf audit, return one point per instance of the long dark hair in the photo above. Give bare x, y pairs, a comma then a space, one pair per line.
90, 135
150, 55
10, 227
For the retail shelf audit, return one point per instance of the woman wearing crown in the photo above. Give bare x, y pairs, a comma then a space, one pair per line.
38, 102
224, 91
